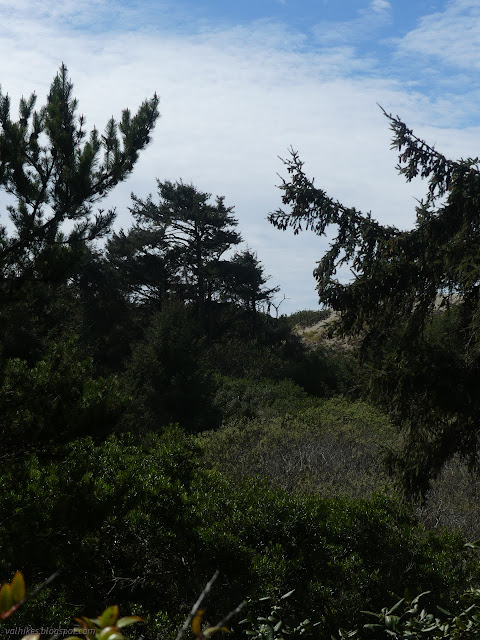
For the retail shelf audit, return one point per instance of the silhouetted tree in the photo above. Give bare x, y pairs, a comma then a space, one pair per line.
244, 281
194, 232
57, 173
429, 384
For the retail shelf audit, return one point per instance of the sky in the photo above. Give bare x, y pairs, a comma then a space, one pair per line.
240, 82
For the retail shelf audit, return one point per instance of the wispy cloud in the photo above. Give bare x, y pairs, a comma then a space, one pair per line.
233, 98
452, 36
380, 6
368, 21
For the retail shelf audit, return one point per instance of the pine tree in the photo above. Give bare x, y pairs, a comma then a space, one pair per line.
195, 234
243, 281
423, 364
57, 173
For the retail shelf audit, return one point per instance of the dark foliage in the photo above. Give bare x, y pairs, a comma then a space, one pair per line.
113, 358
390, 304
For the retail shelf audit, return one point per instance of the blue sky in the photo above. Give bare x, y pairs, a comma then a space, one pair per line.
240, 82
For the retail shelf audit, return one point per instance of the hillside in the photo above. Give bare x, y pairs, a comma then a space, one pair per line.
453, 499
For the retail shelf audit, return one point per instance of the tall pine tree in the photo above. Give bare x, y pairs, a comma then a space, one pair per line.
57, 172
194, 234
414, 301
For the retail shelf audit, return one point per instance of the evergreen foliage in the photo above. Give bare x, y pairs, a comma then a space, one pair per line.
57, 172
54, 401
151, 528
244, 280
392, 300
194, 233
157, 424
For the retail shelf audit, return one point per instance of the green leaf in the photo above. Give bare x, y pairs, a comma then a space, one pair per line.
472, 545
417, 598
127, 620
371, 613
6, 599
109, 616
442, 610
396, 606
18, 587
106, 632
87, 623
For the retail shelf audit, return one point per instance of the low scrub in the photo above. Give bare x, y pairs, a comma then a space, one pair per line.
307, 317
141, 523
329, 447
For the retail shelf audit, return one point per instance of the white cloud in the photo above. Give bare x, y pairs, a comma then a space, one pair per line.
451, 36
367, 22
380, 5
232, 100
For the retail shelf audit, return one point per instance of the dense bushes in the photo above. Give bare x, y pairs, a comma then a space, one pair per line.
307, 317
137, 522
164, 377
408, 618
453, 500
111, 516
55, 400
144, 519
275, 430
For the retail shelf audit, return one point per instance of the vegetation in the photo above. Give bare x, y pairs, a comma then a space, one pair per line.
426, 383
159, 425
307, 317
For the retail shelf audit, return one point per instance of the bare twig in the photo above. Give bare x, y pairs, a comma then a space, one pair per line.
197, 604
223, 622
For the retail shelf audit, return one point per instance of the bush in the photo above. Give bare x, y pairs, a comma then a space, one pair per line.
453, 500
247, 358
408, 619
164, 375
339, 555
55, 400
274, 430
247, 398
307, 317
111, 516
138, 522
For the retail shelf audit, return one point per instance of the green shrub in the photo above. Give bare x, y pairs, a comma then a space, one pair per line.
111, 516
137, 521
307, 317
55, 400
277, 624
247, 398
330, 447
407, 618
338, 554
164, 376
246, 358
